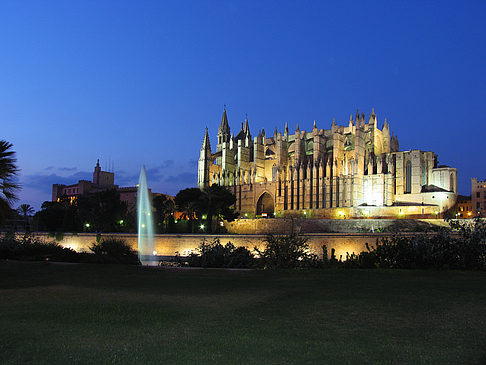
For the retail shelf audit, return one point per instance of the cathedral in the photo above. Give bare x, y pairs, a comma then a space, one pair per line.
354, 170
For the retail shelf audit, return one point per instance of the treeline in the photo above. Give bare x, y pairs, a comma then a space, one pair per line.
193, 210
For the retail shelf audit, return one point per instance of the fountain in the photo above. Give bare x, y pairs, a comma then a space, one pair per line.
146, 248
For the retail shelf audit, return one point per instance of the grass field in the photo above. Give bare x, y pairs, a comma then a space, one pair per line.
76, 313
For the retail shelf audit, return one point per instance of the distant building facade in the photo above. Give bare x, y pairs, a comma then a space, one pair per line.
102, 180
464, 207
347, 171
478, 197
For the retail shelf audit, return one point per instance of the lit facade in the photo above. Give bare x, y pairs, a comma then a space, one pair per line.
464, 207
478, 197
351, 171
102, 180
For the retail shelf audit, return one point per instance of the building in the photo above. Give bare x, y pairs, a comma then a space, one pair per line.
102, 180
464, 207
478, 197
350, 171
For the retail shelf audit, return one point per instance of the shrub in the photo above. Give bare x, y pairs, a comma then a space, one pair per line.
34, 249
288, 251
461, 247
214, 254
114, 251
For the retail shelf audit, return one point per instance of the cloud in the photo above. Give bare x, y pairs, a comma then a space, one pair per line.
67, 168
44, 182
186, 177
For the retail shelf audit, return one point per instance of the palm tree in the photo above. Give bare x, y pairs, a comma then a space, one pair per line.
8, 172
25, 210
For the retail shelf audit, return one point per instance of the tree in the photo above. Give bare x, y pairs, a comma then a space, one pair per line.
25, 210
57, 217
164, 210
217, 202
8, 173
102, 211
188, 202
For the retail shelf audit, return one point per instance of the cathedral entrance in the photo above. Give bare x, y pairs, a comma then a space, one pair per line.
265, 204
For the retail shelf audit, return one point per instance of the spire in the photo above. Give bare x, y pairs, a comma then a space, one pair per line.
315, 125
286, 131
275, 133
263, 132
357, 116
224, 127
385, 125
297, 129
98, 163
334, 121
246, 128
206, 145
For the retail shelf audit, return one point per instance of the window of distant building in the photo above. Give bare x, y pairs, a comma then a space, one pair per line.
408, 178
478, 194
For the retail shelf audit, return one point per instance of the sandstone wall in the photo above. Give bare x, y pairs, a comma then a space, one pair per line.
170, 244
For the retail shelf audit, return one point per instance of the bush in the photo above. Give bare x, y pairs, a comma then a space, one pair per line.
114, 251
285, 252
214, 254
461, 247
33, 249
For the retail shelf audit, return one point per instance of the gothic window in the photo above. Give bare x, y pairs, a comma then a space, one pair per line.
451, 186
274, 173
424, 174
408, 178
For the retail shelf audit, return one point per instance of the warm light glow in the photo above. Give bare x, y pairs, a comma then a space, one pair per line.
202, 226
246, 214
87, 225
204, 216
400, 212
175, 220
143, 225
121, 221
305, 213
341, 213
154, 253
366, 212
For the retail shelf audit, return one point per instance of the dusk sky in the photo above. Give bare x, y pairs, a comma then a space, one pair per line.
136, 82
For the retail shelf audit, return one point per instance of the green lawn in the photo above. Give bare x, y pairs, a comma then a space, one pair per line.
79, 313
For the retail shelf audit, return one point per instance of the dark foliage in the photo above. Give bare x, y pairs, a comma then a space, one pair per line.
164, 213
99, 212
214, 254
461, 247
114, 251
286, 252
31, 249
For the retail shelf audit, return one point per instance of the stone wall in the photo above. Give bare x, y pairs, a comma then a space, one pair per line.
311, 225
170, 244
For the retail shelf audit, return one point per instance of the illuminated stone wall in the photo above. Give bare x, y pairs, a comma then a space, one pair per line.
171, 244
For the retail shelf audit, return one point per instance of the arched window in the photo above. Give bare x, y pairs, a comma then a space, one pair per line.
424, 174
451, 186
274, 173
408, 177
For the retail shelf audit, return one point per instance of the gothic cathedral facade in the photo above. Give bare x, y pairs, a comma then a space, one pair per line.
351, 171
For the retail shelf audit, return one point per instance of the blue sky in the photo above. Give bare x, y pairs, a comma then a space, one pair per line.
136, 82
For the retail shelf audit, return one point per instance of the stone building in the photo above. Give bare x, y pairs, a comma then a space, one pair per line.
102, 180
349, 171
478, 196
